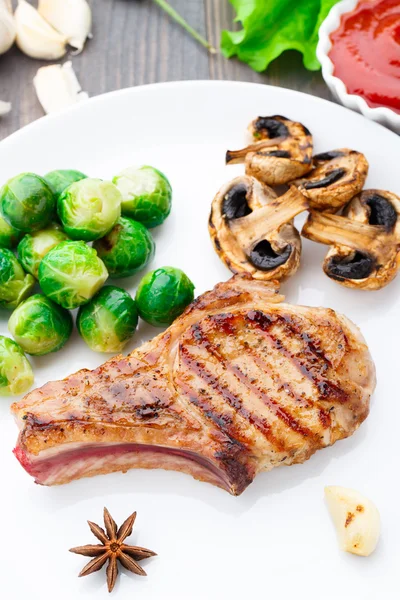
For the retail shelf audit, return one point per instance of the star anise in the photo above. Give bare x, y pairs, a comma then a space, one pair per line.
113, 549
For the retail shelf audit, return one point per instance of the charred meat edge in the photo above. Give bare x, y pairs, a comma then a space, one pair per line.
46, 469
235, 469
226, 469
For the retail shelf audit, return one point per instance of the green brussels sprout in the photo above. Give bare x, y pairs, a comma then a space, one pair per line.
27, 202
16, 376
40, 326
109, 320
71, 273
62, 178
89, 208
15, 284
146, 195
126, 249
9, 236
163, 295
33, 247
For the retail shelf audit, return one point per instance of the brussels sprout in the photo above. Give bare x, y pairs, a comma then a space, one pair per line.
126, 249
16, 376
71, 273
163, 295
27, 202
89, 208
109, 320
146, 195
40, 326
32, 248
9, 236
15, 284
62, 178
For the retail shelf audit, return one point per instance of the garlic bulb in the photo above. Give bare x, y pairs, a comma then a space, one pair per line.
58, 87
72, 18
5, 108
356, 519
7, 26
35, 37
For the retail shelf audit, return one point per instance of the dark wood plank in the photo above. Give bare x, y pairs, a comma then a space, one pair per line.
134, 42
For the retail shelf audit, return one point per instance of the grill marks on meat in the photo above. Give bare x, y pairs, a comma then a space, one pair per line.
248, 382
235, 372
311, 362
238, 384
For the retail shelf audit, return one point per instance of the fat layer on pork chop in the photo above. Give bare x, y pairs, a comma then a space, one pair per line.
240, 383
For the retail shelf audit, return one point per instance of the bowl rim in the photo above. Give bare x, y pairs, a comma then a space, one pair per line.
329, 25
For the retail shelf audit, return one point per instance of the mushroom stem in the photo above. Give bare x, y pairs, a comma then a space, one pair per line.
233, 157
334, 229
261, 223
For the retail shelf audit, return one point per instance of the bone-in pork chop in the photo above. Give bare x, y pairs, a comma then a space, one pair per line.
239, 384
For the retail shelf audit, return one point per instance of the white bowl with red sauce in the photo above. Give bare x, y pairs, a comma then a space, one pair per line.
359, 50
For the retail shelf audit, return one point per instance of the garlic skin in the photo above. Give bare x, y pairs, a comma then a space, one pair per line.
8, 29
72, 18
35, 37
356, 520
58, 87
5, 108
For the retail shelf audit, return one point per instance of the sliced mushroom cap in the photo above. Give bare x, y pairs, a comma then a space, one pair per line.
337, 176
280, 152
252, 229
365, 252
376, 207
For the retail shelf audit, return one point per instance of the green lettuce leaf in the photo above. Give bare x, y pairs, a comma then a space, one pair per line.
269, 27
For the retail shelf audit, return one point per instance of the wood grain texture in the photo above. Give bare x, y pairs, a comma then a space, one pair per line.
135, 43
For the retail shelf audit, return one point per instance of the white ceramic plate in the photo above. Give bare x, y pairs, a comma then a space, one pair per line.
276, 540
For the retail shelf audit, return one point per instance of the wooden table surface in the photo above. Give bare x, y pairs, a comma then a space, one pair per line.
134, 43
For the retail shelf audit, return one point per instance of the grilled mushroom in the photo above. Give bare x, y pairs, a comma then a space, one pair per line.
337, 177
365, 252
252, 229
281, 150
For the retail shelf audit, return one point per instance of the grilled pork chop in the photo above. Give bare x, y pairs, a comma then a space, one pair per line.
240, 383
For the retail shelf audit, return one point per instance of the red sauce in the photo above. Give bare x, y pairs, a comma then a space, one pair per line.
366, 52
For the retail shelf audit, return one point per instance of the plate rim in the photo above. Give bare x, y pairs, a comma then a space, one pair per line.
139, 89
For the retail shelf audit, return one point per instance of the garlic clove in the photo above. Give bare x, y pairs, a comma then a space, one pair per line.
356, 520
5, 108
7, 5
72, 18
7, 26
35, 37
58, 87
